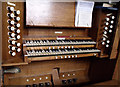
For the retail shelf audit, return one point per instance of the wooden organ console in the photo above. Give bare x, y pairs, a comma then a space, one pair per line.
54, 52
59, 49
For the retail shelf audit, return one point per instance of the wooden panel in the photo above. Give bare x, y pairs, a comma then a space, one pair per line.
116, 75
29, 80
0, 43
0, 33
72, 77
55, 38
114, 51
14, 64
56, 47
79, 75
51, 32
50, 13
46, 67
95, 23
4, 33
109, 83
60, 57
98, 26
7, 58
63, 23
116, 40
101, 69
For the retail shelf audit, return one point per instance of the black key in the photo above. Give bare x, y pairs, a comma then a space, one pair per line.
57, 50
44, 41
35, 41
73, 40
59, 40
66, 40
29, 50
35, 50
69, 49
51, 41
53, 50
47, 50
38, 41
63, 50
76, 49
29, 41
79, 40
40, 50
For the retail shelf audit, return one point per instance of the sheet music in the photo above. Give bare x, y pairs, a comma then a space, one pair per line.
83, 16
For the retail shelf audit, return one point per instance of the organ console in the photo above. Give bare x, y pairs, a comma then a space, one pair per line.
45, 48
59, 49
